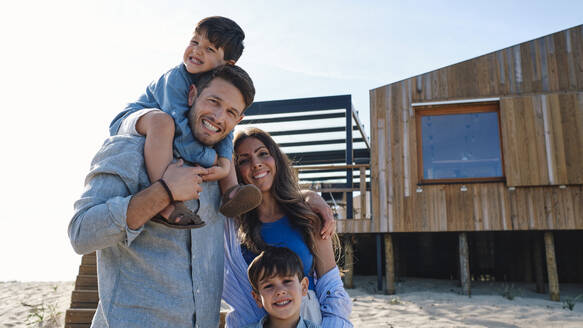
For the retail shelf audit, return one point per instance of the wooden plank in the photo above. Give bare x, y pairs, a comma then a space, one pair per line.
88, 269
557, 136
84, 299
571, 133
89, 259
363, 193
552, 273
85, 282
79, 316
389, 265
348, 262
464, 263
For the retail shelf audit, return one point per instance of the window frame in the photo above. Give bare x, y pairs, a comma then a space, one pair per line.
449, 109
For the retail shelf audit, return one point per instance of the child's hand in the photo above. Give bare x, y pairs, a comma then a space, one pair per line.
215, 173
219, 171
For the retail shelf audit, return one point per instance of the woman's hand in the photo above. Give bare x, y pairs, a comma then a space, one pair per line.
318, 205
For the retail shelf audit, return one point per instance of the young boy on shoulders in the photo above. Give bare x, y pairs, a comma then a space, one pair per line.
161, 115
278, 285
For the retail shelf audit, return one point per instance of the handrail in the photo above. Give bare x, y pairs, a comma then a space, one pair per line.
362, 188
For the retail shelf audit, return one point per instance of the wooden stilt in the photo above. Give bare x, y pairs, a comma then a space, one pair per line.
348, 262
552, 267
464, 263
389, 264
538, 264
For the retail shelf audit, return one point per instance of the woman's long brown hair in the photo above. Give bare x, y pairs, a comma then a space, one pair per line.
286, 192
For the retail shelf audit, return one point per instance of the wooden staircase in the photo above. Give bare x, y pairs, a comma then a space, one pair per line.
84, 297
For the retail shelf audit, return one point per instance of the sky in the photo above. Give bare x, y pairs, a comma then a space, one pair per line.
68, 67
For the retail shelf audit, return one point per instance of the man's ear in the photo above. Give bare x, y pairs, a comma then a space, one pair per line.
230, 62
192, 94
257, 299
305, 283
240, 118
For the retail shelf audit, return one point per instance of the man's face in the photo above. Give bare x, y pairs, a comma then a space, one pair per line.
216, 111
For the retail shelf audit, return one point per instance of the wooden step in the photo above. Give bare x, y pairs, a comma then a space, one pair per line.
84, 299
90, 259
79, 316
86, 282
88, 269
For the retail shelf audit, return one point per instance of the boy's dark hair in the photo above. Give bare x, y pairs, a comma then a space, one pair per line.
223, 33
274, 261
233, 74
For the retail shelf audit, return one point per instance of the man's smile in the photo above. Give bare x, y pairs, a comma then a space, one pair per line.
210, 126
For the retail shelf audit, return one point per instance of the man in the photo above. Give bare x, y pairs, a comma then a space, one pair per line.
151, 275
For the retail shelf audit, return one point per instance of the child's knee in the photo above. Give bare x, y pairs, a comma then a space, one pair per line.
160, 123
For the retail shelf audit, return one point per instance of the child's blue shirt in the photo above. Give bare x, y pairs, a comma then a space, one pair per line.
170, 94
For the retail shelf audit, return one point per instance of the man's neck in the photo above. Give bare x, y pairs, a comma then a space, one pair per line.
282, 323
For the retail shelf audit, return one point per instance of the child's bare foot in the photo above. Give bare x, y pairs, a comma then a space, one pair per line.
239, 200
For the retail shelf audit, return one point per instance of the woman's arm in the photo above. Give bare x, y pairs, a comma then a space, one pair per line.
319, 205
335, 304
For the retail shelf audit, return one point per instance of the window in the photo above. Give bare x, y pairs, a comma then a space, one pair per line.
459, 143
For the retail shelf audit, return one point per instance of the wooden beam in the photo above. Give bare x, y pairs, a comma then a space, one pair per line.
538, 264
348, 262
552, 267
389, 265
464, 263
363, 193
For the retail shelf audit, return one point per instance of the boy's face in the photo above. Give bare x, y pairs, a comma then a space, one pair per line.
281, 296
202, 56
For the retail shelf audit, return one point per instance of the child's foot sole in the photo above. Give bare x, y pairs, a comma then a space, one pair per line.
245, 198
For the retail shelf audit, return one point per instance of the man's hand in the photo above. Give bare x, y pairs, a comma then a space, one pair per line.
218, 172
318, 205
184, 181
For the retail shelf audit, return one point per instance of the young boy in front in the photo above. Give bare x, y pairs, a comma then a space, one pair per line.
278, 285
160, 115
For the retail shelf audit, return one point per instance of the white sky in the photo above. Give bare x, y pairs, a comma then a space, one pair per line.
69, 66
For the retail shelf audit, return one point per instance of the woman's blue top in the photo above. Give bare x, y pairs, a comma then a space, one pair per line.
281, 234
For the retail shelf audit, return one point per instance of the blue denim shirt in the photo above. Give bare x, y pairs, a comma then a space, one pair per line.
170, 94
154, 276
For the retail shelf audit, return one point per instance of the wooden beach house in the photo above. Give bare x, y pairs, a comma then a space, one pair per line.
477, 167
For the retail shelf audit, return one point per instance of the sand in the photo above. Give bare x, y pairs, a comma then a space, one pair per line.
34, 304
418, 303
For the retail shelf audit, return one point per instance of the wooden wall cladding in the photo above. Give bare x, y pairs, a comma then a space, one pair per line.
482, 207
542, 137
540, 87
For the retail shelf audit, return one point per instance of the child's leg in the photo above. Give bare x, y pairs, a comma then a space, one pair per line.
158, 127
229, 181
237, 199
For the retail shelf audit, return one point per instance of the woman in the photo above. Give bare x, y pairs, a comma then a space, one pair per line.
283, 218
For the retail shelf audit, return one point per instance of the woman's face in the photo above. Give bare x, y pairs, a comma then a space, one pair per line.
255, 164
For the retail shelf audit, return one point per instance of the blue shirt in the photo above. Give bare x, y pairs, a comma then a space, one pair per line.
154, 276
282, 234
335, 304
170, 94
